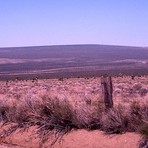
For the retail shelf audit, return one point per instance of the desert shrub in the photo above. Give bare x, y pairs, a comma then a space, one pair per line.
143, 91
16, 118
61, 79
53, 116
120, 119
136, 87
143, 130
115, 120
50, 116
3, 112
7, 112
60, 112
96, 115
88, 115
138, 114
87, 118
13, 114
143, 143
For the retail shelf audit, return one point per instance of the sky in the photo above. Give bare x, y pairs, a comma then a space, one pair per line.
62, 22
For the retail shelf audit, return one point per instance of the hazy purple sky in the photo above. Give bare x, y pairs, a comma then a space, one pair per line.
56, 22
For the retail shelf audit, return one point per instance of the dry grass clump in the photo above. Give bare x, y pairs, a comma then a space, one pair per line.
13, 119
13, 113
124, 118
143, 130
139, 114
142, 116
51, 116
3, 110
115, 120
60, 113
88, 114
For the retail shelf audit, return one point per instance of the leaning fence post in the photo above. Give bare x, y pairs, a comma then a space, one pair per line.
107, 90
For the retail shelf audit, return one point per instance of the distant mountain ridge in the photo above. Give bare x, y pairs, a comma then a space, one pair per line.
61, 60
73, 45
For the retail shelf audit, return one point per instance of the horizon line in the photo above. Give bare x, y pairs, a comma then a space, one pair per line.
26, 46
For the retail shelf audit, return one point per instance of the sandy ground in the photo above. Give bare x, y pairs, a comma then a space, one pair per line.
74, 139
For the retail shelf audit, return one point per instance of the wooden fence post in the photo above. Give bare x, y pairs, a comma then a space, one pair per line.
107, 90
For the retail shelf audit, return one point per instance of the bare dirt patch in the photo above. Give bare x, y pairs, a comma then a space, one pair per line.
75, 139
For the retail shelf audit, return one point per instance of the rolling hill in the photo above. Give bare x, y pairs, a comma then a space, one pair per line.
71, 61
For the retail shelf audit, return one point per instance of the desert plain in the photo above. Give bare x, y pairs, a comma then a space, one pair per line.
69, 112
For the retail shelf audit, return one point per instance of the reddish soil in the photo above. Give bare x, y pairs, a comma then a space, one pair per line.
74, 139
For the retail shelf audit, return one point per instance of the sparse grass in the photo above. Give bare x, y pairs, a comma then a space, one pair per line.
81, 108
60, 115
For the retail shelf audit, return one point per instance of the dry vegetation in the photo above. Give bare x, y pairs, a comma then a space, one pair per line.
60, 105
